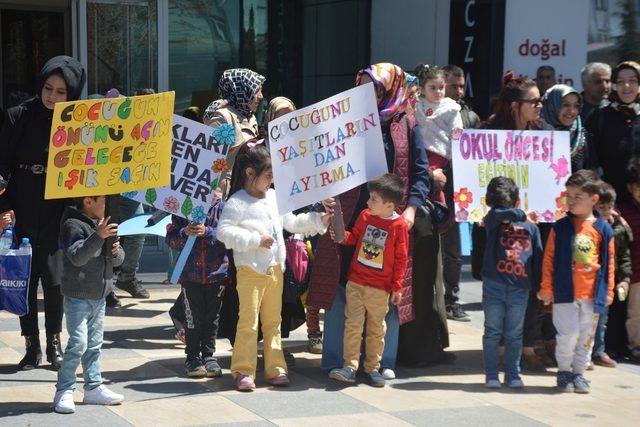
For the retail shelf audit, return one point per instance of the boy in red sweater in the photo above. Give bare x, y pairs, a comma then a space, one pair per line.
381, 237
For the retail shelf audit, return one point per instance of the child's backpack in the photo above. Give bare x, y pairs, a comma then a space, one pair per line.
298, 269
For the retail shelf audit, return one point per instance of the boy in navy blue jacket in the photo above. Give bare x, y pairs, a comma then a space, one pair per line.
510, 268
203, 280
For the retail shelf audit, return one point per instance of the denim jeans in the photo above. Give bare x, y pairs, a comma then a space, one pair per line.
132, 245
598, 345
333, 334
85, 318
504, 308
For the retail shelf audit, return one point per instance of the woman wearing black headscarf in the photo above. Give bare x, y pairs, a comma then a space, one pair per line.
24, 148
614, 129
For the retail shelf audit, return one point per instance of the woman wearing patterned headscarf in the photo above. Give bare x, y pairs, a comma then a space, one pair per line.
240, 91
561, 107
407, 159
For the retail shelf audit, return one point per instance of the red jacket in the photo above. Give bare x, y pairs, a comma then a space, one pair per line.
382, 251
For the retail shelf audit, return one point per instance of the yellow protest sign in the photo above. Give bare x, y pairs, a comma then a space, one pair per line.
110, 146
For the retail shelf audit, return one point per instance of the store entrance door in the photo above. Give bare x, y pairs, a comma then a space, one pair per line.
28, 39
121, 45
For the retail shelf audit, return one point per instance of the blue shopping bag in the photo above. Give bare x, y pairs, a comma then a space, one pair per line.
15, 271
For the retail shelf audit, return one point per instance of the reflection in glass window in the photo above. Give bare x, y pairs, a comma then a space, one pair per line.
204, 40
122, 42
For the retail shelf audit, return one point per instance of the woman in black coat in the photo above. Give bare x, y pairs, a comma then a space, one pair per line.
24, 149
614, 130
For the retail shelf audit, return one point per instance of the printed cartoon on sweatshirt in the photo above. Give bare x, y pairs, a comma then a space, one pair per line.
585, 253
372, 249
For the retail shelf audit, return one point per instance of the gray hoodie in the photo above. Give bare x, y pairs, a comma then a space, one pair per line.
88, 264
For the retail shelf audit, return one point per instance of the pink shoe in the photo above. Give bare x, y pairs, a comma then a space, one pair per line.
280, 380
181, 336
245, 383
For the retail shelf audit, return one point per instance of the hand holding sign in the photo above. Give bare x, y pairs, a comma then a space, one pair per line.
106, 229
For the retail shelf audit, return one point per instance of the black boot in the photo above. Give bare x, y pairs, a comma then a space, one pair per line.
33, 357
54, 351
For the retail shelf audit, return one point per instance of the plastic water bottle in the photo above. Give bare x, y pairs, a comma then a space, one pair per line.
25, 246
6, 240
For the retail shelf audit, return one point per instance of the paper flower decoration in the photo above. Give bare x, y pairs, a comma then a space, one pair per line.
547, 216
171, 204
559, 214
462, 215
476, 215
456, 134
198, 214
561, 201
220, 165
224, 134
463, 197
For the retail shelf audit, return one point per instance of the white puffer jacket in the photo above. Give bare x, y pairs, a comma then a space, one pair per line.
245, 219
435, 124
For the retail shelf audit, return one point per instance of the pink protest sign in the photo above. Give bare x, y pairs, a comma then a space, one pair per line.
538, 161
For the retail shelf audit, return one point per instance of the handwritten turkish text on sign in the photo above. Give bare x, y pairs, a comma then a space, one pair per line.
327, 148
537, 161
109, 146
197, 159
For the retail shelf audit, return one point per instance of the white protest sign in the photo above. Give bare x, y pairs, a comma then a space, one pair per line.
538, 33
538, 161
198, 155
327, 148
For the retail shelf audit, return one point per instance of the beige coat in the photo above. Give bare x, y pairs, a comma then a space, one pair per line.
246, 129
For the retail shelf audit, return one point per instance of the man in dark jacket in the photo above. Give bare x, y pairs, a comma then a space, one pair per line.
24, 143
451, 246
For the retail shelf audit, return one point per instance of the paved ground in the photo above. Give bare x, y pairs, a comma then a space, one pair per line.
141, 360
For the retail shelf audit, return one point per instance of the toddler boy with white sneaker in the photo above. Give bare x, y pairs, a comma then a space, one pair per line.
86, 281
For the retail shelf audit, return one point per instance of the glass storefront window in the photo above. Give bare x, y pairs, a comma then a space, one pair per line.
29, 39
122, 45
203, 42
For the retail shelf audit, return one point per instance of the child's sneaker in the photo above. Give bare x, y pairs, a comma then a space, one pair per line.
376, 379
212, 367
515, 383
493, 383
314, 345
63, 402
580, 384
101, 395
280, 380
245, 383
388, 374
194, 367
564, 381
346, 375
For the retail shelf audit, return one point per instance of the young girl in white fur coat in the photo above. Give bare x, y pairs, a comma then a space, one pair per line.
437, 118
251, 226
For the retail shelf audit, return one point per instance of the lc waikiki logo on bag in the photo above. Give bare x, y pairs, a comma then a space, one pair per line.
15, 271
